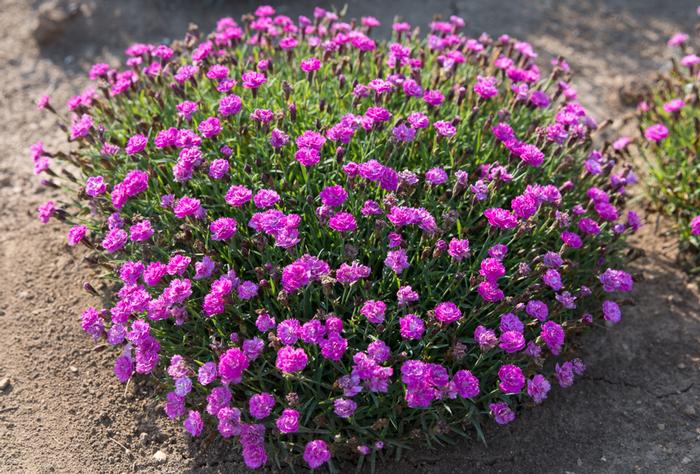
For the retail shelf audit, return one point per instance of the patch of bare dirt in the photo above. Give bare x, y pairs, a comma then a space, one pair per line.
61, 410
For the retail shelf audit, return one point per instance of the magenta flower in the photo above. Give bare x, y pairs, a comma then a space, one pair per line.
486, 87
611, 312
412, 327
141, 231
553, 335
76, 234
290, 360
288, 421
253, 80
230, 105
310, 64
343, 222
231, 365
511, 379
136, 144
209, 127
695, 225
373, 311
316, 453
447, 312
114, 240
260, 405
95, 186
656, 133
397, 260
538, 387
194, 424
502, 413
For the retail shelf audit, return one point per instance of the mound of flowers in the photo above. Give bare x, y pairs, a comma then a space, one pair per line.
670, 121
323, 245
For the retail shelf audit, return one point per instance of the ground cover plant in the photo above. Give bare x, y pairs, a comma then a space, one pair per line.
325, 245
670, 120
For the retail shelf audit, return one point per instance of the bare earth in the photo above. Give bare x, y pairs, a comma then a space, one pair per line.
636, 410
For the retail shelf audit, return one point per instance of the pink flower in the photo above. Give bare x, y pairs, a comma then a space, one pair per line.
310, 64
253, 80
447, 312
223, 228
290, 360
656, 133
136, 144
695, 225
76, 234
343, 222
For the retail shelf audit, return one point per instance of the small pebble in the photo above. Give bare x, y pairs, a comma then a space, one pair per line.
73, 369
160, 456
690, 411
686, 460
4, 383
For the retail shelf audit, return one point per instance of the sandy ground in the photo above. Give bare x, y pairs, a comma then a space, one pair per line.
636, 410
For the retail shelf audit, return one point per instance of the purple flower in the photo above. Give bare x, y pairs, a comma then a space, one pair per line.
76, 234
316, 453
695, 225
553, 335
95, 186
194, 424
447, 312
344, 407
397, 260
290, 360
343, 222
223, 228
611, 312
288, 421
310, 64
230, 105
656, 133
260, 405
511, 379
123, 368
136, 144
486, 87
501, 413
486, 338
564, 374
552, 279
411, 327
373, 311
501, 218
436, 176
512, 341
537, 309
616, 280
278, 138
538, 387
490, 292
209, 127
232, 364
114, 240
458, 249
253, 80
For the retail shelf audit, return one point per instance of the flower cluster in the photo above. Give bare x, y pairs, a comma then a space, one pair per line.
670, 120
324, 245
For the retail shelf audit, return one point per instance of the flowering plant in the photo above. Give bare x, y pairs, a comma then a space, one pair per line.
670, 121
323, 244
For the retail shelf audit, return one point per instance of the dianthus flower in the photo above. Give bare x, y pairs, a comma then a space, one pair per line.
316, 453
290, 360
447, 312
511, 379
